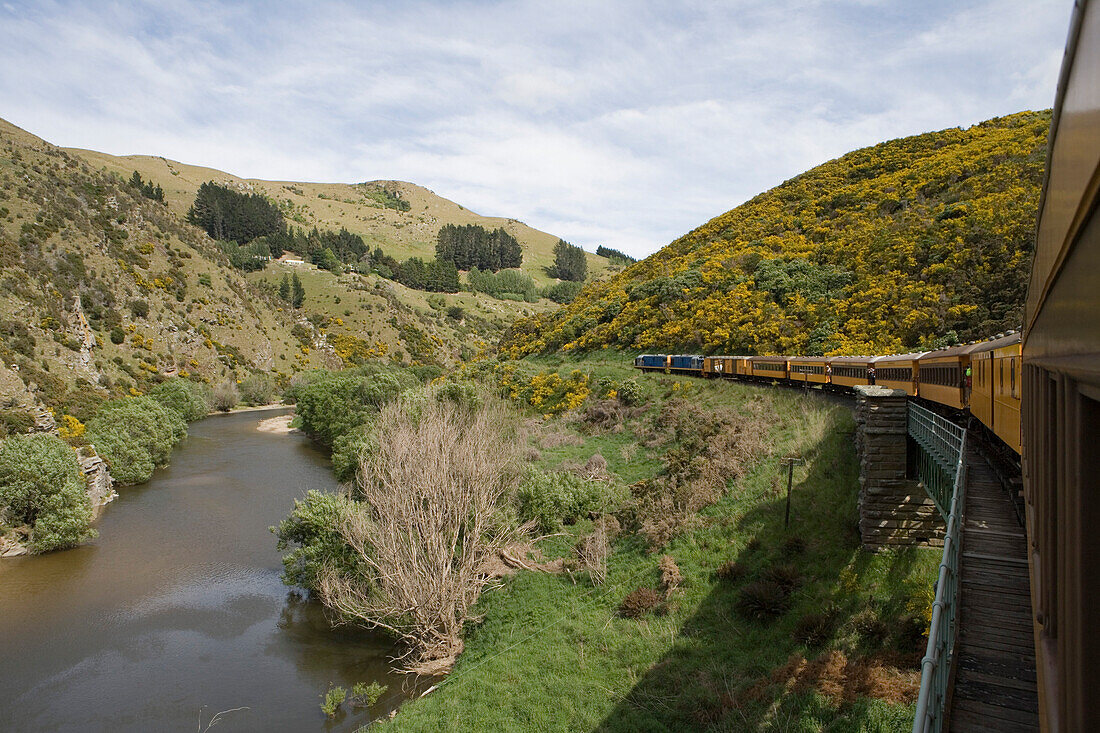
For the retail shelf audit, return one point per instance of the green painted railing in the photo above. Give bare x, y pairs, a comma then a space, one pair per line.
941, 467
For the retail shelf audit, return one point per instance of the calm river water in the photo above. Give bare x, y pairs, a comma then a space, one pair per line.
176, 611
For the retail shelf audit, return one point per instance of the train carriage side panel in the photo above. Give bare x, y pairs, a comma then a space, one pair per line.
849, 371
942, 376
898, 372
981, 392
1061, 349
1006, 395
769, 367
808, 369
983, 404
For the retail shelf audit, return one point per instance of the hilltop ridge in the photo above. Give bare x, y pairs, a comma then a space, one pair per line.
354, 206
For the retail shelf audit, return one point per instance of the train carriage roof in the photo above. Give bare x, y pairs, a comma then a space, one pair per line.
997, 343
850, 359
912, 356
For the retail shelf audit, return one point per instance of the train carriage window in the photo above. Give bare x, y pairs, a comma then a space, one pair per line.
1001, 363
1012, 376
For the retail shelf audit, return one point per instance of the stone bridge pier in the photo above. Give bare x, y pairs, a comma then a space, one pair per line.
893, 507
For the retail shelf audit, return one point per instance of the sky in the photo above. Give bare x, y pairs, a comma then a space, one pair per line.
617, 122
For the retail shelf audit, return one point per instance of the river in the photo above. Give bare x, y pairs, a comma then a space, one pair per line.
176, 611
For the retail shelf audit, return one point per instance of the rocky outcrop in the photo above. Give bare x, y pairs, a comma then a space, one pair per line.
101, 490
893, 509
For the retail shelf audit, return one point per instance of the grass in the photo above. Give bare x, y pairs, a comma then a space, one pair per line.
554, 653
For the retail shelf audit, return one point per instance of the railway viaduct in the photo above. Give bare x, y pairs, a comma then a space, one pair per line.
922, 482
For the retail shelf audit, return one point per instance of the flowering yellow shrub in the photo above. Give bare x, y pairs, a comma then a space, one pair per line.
70, 427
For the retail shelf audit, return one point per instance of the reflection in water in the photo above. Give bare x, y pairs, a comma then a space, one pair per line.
178, 608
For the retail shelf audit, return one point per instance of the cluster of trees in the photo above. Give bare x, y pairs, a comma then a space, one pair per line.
615, 255
503, 285
42, 487
327, 249
472, 246
435, 276
233, 216
441, 459
147, 189
569, 262
889, 248
517, 285
291, 290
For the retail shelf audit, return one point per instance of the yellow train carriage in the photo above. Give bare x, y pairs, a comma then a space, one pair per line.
942, 375
897, 372
991, 402
744, 366
849, 371
720, 366
1007, 377
809, 369
769, 367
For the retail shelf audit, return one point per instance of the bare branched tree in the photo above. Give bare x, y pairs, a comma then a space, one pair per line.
431, 488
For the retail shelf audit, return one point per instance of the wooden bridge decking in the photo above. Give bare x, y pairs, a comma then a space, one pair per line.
994, 688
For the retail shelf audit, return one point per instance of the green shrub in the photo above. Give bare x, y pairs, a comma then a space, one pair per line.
134, 435
190, 400
630, 393
333, 699
258, 389
426, 372
332, 404
463, 394
41, 485
364, 695
311, 530
14, 422
345, 453
563, 292
226, 396
117, 335
551, 498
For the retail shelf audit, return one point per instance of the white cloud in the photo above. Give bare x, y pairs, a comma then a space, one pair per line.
621, 123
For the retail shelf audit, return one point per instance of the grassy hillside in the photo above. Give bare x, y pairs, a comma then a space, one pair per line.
839, 651
368, 314
360, 208
908, 243
105, 291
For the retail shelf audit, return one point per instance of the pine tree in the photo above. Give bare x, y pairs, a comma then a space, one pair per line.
298, 293
569, 262
284, 288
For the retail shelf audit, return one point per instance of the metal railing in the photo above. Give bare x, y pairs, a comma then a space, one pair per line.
941, 466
